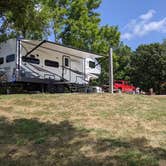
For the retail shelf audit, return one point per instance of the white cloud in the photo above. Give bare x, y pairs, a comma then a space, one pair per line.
143, 25
148, 15
126, 36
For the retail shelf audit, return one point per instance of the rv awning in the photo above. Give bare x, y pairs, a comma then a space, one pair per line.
32, 45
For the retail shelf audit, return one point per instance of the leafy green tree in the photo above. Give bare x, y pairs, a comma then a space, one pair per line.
58, 10
109, 36
81, 23
122, 60
4, 7
121, 64
28, 18
148, 66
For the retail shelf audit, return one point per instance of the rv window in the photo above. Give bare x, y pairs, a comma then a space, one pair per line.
10, 58
1, 61
30, 60
51, 63
91, 64
66, 62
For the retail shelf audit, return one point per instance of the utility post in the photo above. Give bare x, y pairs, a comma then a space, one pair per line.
111, 78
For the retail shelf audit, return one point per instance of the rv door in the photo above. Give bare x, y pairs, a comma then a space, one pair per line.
66, 68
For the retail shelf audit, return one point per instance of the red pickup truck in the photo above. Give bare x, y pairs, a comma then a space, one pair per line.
121, 86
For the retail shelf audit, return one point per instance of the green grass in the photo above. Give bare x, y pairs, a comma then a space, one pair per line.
82, 130
137, 158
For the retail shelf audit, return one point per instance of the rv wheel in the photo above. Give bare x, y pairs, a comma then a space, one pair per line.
51, 88
60, 89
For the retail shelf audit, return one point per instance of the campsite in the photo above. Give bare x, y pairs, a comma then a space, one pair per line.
82, 83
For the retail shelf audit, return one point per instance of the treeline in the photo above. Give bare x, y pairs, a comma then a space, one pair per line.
77, 23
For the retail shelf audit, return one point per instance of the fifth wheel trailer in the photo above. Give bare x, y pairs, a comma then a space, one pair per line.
45, 66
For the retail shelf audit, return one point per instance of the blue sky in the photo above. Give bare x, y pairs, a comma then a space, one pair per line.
139, 21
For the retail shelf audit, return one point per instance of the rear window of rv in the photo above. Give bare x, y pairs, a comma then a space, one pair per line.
1, 61
10, 58
30, 60
91, 64
51, 63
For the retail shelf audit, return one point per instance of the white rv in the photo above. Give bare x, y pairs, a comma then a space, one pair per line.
43, 64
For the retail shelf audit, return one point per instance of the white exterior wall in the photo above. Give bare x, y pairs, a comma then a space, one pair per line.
40, 70
77, 72
76, 64
92, 73
8, 48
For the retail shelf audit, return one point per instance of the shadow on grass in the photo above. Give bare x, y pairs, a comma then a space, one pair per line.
27, 142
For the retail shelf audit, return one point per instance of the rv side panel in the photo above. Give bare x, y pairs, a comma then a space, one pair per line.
8, 56
48, 63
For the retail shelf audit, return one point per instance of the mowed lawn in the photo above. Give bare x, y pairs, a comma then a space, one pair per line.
82, 130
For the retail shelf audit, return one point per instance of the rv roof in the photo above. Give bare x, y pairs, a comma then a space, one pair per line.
31, 44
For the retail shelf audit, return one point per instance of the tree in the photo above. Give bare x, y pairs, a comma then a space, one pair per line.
122, 60
81, 24
4, 7
28, 18
58, 10
149, 66
108, 36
